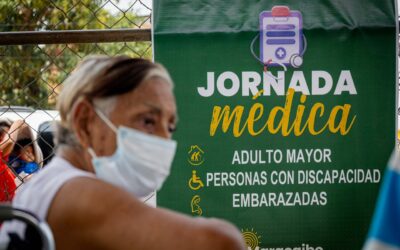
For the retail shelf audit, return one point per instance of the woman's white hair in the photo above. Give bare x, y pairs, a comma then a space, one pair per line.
83, 81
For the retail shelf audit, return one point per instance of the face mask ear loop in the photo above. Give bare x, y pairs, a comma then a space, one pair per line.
106, 120
91, 152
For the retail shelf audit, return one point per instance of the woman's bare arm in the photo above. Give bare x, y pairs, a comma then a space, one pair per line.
90, 214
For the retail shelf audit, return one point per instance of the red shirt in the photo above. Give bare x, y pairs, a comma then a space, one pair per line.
7, 184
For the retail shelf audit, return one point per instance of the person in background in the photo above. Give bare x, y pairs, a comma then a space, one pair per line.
384, 233
22, 158
7, 184
5, 125
46, 140
20, 150
114, 145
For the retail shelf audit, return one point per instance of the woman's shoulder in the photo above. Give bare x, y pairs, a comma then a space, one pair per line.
83, 200
38, 192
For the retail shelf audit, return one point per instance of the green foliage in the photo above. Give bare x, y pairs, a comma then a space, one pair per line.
31, 75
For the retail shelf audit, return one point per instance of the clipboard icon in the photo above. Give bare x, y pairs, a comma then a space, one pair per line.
281, 37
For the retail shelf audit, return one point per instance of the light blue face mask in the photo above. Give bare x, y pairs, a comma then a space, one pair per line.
141, 162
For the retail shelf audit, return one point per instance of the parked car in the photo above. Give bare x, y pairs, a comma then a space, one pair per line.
34, 117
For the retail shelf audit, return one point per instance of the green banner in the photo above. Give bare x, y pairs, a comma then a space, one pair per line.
286, 115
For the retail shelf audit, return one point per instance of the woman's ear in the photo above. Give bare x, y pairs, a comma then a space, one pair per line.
82, 118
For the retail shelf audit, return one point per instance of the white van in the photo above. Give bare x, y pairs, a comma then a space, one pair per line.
40, 122
34, 117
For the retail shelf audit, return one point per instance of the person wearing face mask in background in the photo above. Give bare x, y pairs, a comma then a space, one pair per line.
19, 151
22, 159
114, 146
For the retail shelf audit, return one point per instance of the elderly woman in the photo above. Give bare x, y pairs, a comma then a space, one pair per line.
114, 146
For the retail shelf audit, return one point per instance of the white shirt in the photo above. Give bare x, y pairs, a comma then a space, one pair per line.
38, 193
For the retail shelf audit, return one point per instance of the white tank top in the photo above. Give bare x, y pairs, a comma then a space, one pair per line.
38, 193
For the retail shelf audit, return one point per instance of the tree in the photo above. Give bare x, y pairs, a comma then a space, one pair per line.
32, 75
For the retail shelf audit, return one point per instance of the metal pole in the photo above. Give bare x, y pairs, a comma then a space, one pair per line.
74, 36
